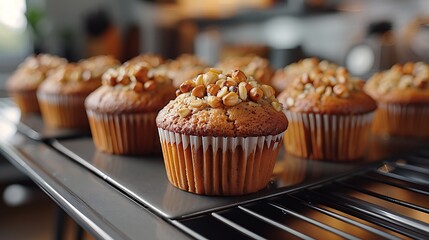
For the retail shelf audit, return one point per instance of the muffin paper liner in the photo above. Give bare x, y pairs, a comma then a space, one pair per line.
219, 165
63, 111
328, 137
132, 134
401, 120
26, 101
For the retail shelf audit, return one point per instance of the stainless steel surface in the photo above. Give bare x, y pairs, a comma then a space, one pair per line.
32, 125
387, 200
145, 180
97, 206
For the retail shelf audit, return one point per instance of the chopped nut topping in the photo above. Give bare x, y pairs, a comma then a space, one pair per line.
109, 78
277, 106
256, 94
328, 91
341, 90
216, 89
197, 103
133, 76
238, 76
249, 65
187, 86
221, 83
209, 78
184, 112
301, 95
290, 102
246, 85
178, 92
320, 89
253, 83
123, 80
242, 91
401, 77
214, 102
137, 86
268, 90
230, 83
213, 89
230, 99
323, 80
199, 91
150, 85
216, 71
223, 91
199, 80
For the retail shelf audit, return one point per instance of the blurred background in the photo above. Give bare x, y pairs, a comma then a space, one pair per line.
281, 30
364, 35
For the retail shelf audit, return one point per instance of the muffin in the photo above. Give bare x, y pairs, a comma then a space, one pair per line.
402, 95
221, 135
98, 65
329, 116
183, 68
252, 65
152, 60
122, 111
283, 77
23, 83
63, 94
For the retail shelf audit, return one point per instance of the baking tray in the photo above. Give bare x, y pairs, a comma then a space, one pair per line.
144, 178
32, 125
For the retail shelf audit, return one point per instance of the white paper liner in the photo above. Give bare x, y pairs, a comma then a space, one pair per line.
219, 165
327, 137
401, 120
66, 111
124, 133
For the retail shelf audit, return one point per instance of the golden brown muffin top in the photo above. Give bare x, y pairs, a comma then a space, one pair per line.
98, 65
33, 71
131, 88
186, 61
153, 60
223, 104
70, 79
183, 68
286, 75
252, 65
327, 92
404, 84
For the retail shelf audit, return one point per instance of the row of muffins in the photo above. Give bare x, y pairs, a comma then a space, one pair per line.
221, 133
210, 140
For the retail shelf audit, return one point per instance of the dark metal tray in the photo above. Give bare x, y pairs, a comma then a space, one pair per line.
32, 125
387, 200
145, 180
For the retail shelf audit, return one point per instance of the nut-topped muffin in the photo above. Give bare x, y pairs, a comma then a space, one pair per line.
329, 116
222, 133
98, 65
183, 68
62, 95
23, 83
313, 66
123, 110
252, 65
402, 95
152, 60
